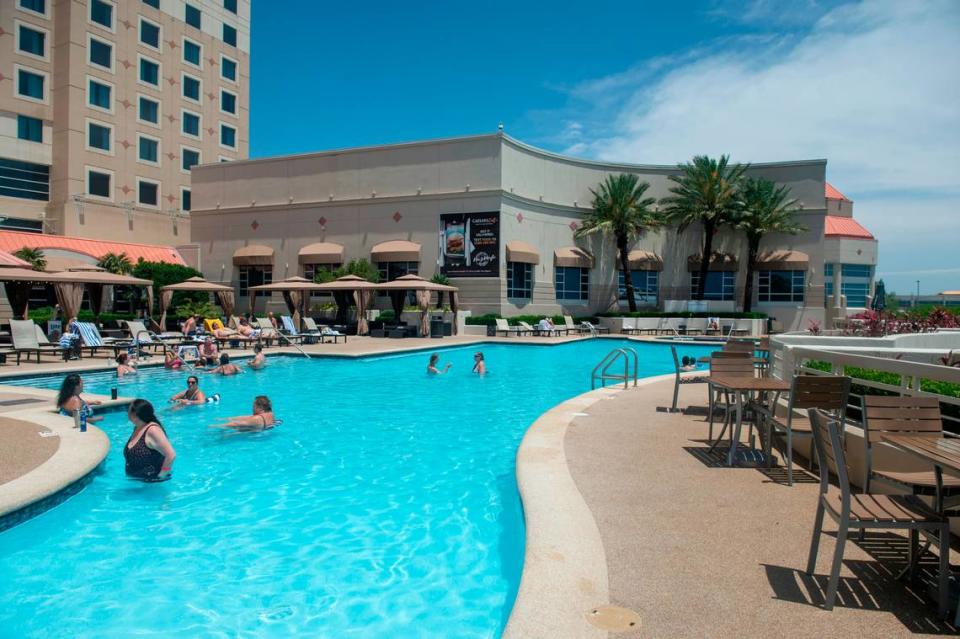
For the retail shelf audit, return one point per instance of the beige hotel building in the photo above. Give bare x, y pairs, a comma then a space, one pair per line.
105, 105
498, 218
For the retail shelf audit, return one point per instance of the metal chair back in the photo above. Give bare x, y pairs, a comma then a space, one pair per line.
731, 363
882, 415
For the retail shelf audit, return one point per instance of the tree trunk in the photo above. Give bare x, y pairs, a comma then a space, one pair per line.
753, 247
708, 231
627, 279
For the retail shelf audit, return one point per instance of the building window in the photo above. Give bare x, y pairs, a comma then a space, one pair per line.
572, 282
228, 136
228, 102
390, 271
98, 183
99, 95
855, 280
29, 128
189, 158
310, 270
254, 276
191, 15
519, 280
192, 52
185, 199
229, 35
191, 87
148, 193
149, 34
228, 68
31, 41
37, 6
720, 285
191, 124
30, 85
149, 72
148, 110
101, 53
780, 286
98, 136
148, 149
101, 13
646, 286
152, 3
230, 5
24, 180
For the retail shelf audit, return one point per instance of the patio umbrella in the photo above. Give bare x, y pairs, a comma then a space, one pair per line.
196, 284
351, 287
296, 291
879, 302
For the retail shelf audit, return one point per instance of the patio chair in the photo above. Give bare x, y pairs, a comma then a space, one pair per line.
290, 331
593, 329
326, 331
46, 346
90, 337
570, 326
725, 364
507, 330
682, 379
884, 512
143, 337
647, 325
742, 327
917, 416
23, 334
629, 326
311, 327
825, 392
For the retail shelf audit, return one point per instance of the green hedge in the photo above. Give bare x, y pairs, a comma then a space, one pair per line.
684, 314
43, 315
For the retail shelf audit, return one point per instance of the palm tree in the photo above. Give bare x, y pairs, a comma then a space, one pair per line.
37, 259
706, 191
116, 264
767, 208
621, 210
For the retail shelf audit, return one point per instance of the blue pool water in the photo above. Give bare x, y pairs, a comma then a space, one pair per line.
385, 505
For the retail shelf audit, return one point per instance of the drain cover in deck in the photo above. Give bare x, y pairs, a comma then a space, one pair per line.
613, 618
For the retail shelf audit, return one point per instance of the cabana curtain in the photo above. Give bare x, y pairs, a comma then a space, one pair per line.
227, 302
362, 299
95, 292
423, 303
18, 294
294, 302
69, 296
165, 298
454, 301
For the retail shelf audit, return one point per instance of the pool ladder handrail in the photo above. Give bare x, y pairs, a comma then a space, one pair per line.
601, 370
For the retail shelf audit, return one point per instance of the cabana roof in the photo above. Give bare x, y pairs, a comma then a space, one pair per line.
101, 277
197, 284
414, 283
295, 283
347, 283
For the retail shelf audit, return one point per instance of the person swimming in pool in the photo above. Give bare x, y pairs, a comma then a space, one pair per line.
479, 365
433, 368
261, 419
125, 366
226, 368
259, 359
192, 396
69, 400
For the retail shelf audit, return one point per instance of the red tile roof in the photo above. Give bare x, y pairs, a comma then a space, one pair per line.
11, 241
836, 226
834, 194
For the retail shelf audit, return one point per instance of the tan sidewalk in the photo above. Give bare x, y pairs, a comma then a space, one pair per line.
701, 550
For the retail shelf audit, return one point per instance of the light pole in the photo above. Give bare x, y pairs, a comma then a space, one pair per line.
917, 303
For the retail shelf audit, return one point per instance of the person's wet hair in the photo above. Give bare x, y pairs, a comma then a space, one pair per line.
263, 403
194, 379
224, 359
122, 358
434, 358
68, 388
258, 348
143, 410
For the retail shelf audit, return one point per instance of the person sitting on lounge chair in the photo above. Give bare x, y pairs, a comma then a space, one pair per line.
190, 326
193, 395
125, 366
69, 400
259, 359
261, 419
246, 330
225, 367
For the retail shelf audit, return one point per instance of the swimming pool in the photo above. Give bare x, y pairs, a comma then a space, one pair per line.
385, 505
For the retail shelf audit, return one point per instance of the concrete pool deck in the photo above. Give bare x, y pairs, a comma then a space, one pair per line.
624, 507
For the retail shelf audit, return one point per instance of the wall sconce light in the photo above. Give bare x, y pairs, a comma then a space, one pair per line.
373, 194
419, 190
468, 188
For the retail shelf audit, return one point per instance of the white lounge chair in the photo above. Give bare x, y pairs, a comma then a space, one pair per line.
90, 336
25, 337
570, 326
504, 327
290, 331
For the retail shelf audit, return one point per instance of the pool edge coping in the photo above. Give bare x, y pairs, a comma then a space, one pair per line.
564, 572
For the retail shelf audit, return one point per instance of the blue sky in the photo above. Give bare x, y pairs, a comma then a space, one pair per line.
872, 86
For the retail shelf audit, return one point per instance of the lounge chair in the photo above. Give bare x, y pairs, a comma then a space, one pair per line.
570, 326
90, 337
326, 331
629, 326
507, 330
23, 334
867, 510
290, 331
143, 337
529, 329
593, 329
311, 327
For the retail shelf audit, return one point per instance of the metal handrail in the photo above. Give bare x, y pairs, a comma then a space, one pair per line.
609, 360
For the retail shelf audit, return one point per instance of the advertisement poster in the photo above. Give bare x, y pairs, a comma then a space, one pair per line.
470, 244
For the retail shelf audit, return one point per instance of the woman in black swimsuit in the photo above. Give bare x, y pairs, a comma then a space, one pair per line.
148, 453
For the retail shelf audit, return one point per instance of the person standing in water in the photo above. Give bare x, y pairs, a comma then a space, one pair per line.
479, 366
433, 366
148, 454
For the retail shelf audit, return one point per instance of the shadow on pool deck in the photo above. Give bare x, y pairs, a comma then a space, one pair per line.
698, 549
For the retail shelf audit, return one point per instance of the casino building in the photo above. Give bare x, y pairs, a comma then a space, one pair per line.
498, 217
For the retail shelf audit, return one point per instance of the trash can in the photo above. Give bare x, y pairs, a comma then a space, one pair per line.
436, 327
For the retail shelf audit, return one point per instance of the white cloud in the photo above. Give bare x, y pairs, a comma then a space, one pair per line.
874, 87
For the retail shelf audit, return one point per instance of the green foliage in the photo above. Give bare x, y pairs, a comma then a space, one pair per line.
440, 278
361, 268
45, 313
37, 259
114, 263
163, 274
204, 308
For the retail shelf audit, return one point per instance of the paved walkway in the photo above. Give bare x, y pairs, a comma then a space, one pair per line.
701, 550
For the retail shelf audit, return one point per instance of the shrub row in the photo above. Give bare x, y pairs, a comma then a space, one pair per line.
45, 313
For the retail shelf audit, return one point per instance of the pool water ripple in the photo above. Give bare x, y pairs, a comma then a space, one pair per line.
385, 505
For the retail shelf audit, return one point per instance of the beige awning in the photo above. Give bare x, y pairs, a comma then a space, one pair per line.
572, 256
518, 251
253, 255
645, 260
321, 253
718, 262
395, 251
783, 261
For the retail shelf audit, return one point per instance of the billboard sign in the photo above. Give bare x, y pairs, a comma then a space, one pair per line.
470, 244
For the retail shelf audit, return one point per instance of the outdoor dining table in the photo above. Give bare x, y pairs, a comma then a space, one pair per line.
942, 452
742, 386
